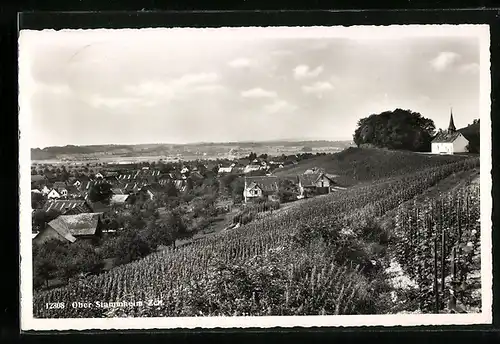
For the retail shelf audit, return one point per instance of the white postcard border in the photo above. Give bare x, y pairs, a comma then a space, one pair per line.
367, 32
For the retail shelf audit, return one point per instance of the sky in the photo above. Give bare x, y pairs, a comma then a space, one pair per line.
178, 86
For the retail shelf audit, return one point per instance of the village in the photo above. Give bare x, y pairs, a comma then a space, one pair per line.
94, 203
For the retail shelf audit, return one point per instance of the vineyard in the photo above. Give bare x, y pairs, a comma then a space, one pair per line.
364, 164
439, 248
324, 255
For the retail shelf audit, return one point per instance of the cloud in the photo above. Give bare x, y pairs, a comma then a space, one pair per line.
469, 68
211, 88
258, 93
317, 88
58, 89
240, 63
279, 106
304, 72
182, 86
444, 60
423, 98
98, 101
281, 52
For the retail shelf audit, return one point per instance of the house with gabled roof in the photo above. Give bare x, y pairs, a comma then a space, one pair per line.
315, 183
223, 170
252, 168
53, 194
257, 187
69, 228
119, 199
450, 141
45, 190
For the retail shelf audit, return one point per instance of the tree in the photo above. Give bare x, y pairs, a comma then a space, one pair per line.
263, 156
252, 156
37, 200
131, 246
398, 129
171, 190
287, 191
44, 263
237, 187
100, 193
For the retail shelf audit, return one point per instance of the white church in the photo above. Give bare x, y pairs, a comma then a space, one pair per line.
450, 141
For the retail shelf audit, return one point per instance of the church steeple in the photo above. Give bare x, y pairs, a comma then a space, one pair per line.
451, 126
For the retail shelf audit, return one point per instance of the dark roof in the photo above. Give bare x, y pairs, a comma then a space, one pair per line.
62, 205
99, 207
87, 185
37, 178
451, 126
266, 183
446, 136
311, 178
61, 227
59, 185
76, 225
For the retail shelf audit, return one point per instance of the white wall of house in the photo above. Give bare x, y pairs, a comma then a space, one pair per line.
53, 194
323, 182
252, 192
459, 145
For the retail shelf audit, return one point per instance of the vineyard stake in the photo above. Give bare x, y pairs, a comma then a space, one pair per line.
443, 260
436, 292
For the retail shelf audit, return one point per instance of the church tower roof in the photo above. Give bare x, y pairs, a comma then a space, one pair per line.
451, 126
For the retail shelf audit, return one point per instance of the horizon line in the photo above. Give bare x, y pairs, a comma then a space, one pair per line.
194, 143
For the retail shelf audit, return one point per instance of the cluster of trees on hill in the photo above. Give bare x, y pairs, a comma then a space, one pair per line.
398, 129
471, 133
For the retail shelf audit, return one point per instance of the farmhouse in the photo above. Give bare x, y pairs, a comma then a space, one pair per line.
251, 168
86, 226
315, 183
255, 187
223, 170
450, 141
119, 199
68, 206
53, 194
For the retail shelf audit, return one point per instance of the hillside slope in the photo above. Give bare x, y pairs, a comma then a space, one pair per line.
366, 164
322, 256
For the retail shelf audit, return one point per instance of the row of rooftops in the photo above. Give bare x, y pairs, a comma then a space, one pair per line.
270, 183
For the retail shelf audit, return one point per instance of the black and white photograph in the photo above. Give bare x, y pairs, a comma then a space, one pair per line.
255, 177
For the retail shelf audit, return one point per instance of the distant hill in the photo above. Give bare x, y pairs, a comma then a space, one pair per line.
160, 149
471, 133
366, 164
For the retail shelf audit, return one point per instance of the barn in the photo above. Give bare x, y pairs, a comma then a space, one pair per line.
86, 226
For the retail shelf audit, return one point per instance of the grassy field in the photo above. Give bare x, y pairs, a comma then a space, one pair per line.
355, 165
319, 256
